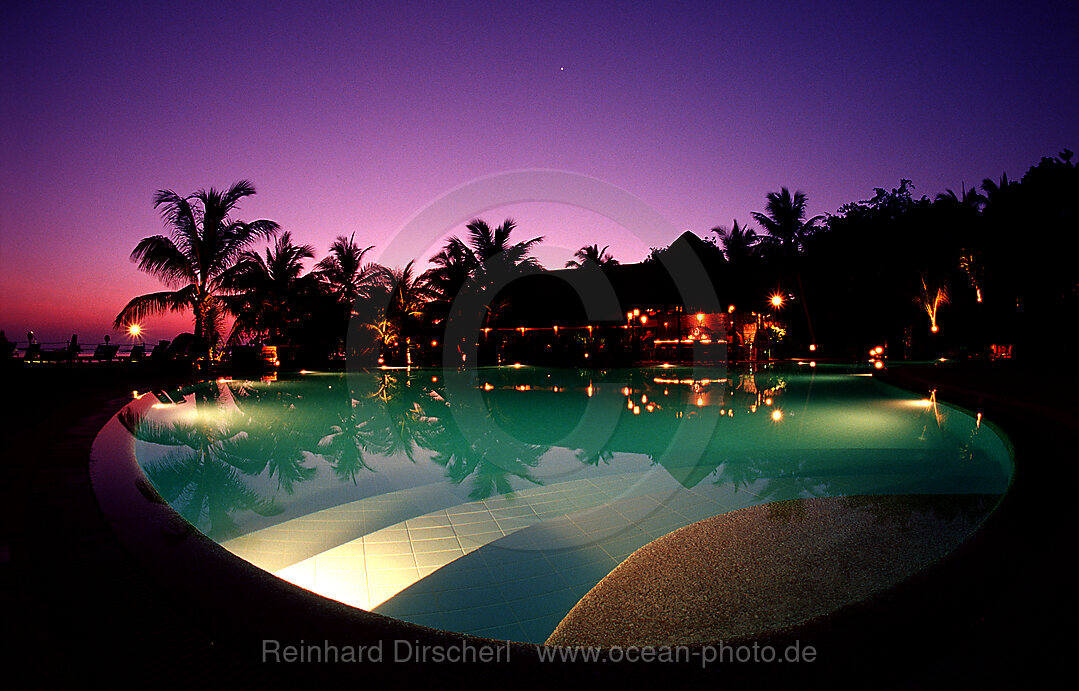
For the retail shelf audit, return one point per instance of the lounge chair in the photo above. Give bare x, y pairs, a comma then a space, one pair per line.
105, 352
158, 353
138, 352
32, 353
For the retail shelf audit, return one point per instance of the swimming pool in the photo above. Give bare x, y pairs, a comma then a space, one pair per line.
490, 501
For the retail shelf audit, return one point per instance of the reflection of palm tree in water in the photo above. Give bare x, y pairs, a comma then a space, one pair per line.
277, 435
595, 456
201, 475
490, 459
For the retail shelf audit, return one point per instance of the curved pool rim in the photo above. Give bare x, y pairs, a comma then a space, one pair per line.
246, 599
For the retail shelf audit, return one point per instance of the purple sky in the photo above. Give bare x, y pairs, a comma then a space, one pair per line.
352, 120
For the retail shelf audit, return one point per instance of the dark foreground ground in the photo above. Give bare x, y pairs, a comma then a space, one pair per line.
79, 608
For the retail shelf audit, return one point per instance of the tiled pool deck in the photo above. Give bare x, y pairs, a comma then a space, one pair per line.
505, 567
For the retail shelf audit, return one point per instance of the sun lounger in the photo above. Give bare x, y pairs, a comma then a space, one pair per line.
105, 352
33, 353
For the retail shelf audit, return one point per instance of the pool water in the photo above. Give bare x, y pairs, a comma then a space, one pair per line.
489, 502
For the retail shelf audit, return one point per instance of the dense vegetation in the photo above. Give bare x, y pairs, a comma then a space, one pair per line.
954, 273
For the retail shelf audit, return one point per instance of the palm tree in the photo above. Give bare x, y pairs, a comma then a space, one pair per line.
454, 264
784, 221
349, 283
995, 190
202, 244
592, 253
968, 200
493, 250
740, 243
344, 273
266, 292
403, 299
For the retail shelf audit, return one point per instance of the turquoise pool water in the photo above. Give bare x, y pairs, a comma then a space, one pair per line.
489, 502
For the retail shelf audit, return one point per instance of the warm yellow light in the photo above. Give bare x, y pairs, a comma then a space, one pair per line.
813, 364
517, 365
730, 308
934, 328
700, 401
590, 391
700, 317
636, 410
644, 398
777, 414
776, 299
878, 350
768, 401
434, 344
644, 318
878, 364
134, 330
636, 313
812, 347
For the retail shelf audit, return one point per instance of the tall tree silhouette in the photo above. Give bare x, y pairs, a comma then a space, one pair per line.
592, 253
785, 222
267, 292
203, 242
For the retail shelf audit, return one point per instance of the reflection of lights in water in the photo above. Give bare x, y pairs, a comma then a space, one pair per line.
636, 410
813, 364
767, 401
700, 401
590, 390
777, 415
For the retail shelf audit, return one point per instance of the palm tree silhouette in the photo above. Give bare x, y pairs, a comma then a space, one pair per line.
203, 242
740, 243
344, 274
592, 253
968, 200
787, 229
265, 292
454, 264
402, 301
492, 246
784, 221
